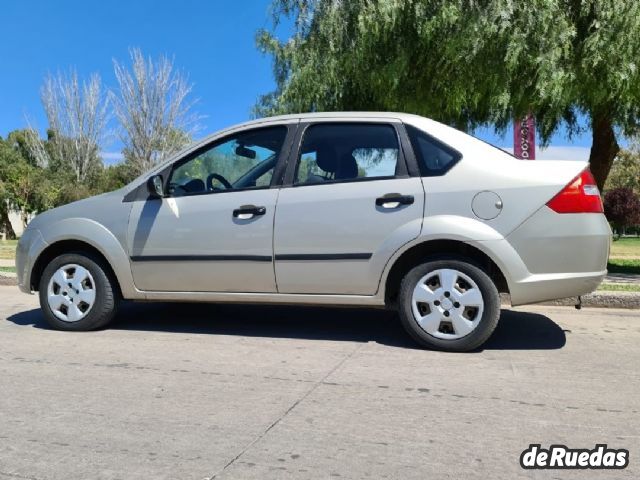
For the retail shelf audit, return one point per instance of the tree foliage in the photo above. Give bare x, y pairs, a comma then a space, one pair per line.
77, 115
28, 187
625, 171
155, 120
21, 184
622, 208
465, 62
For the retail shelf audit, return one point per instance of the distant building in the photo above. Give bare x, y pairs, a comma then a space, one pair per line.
16, 222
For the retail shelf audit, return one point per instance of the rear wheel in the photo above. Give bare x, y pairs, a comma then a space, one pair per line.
76, 293
449, 305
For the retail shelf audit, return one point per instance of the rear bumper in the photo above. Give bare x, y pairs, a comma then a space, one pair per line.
541, 287
552, 256
549, 242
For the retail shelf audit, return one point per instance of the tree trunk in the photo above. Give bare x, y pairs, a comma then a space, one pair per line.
5, 225
604, 147
24, 215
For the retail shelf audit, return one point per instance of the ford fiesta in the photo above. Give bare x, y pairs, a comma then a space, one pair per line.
370, 209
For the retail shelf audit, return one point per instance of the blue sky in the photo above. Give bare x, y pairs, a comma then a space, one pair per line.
212, 41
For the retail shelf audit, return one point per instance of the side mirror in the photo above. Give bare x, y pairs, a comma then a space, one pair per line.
155, 186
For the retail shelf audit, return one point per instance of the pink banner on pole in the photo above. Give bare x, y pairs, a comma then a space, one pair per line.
524, 138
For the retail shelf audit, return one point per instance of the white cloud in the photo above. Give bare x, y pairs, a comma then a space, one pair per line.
565, 152
111, 157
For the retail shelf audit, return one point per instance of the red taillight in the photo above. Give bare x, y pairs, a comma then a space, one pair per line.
580, 196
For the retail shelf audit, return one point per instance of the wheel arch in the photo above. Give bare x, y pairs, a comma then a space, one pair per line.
440, 248
84, 235
62, 247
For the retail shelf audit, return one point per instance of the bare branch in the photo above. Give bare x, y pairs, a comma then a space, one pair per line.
77, 115
152, 108
35, 146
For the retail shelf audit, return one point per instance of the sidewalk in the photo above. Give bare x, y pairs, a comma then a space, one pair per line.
622, 278
6, 275
602, 299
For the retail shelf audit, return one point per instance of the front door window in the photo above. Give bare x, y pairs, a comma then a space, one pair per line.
241, 162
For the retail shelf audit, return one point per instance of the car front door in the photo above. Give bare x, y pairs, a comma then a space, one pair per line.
213, 230
347, 205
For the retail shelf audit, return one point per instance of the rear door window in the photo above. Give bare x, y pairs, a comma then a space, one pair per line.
342, 152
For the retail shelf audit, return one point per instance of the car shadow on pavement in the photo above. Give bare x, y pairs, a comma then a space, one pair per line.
516, 330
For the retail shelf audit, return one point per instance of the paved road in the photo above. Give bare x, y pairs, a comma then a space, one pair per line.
196, 391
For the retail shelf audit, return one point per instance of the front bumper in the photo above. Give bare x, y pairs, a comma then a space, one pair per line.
30, 246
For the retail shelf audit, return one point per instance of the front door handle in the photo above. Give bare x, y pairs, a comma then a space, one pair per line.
394, 200
245, 212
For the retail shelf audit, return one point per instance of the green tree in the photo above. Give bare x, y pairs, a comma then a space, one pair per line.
113, 177
29, 187
77, 114
625, 171
23, 186
466, 62
622, 208
7, 158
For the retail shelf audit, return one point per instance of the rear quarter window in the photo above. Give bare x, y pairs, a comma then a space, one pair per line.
434, 157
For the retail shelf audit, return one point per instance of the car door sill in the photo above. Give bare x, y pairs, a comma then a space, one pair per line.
282, 298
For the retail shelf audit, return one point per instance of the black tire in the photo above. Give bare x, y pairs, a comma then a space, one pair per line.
487, 322
106, 299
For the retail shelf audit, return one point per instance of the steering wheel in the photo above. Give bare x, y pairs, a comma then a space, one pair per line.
220, 178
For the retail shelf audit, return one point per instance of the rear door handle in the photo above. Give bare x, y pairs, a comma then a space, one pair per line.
394, 200
245, 212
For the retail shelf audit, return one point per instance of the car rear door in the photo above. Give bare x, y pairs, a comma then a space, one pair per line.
347, 204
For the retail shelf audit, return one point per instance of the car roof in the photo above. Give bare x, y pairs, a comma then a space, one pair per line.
320, 115
315, 116
280, 119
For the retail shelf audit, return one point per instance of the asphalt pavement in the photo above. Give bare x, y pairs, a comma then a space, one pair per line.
180, 391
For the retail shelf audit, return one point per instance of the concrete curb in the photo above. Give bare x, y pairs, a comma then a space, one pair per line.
629, 300
603, 300
8, 281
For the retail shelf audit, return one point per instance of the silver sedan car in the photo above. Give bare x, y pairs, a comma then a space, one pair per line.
369, 209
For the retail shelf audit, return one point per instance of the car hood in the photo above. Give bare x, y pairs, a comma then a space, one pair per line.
93, 208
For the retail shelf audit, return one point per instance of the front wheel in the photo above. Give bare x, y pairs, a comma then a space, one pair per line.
76, 293
449, 305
